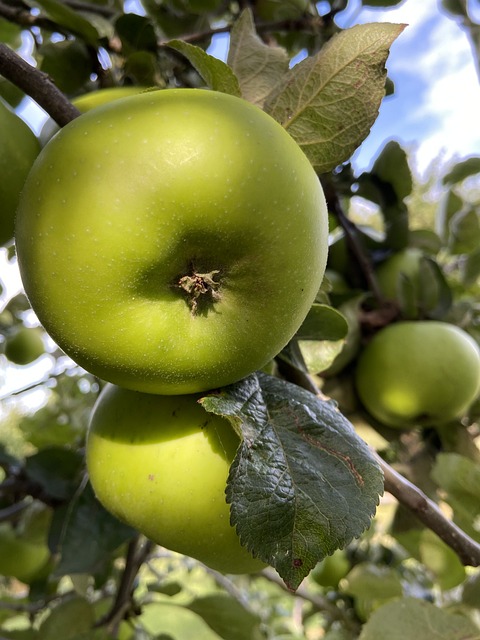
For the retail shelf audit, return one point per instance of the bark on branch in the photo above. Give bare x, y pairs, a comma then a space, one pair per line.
37, 85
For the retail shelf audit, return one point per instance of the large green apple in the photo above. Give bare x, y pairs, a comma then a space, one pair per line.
418, 373
18, 149
160, 464
173, 241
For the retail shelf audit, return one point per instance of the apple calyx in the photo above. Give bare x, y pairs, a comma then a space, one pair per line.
200, 288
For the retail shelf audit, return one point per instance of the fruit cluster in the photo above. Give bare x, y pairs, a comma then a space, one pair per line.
171, 243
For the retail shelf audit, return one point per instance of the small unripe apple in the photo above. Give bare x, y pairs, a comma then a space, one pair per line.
405, 263
24, 346
423, 373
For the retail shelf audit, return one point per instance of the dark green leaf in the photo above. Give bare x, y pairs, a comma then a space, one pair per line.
328, 102
323, 323
413, 619
448, 206
381, 3
89, 535
455, 7
302, 483
435, 296
464, 231
56, 470
258, 67
227, 617
391, 167
425, 239
136, 33
68, 620
462, 170
216, 73
68, 63
471, 590
66, 17
471, 268
141, 68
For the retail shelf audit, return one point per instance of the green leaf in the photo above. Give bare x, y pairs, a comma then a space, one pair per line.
328, 102
68, 620
459, 477
392, 167
413, 619
323, 323
56, 470
302, 483
471, 268
464, 231
448, 206
258, 67
462, 170
471, 590
66, 17
136, 33
216, 73
161, 620
68, 63
381, 3
441, 560
227, 617
434, 294
88, 535
371, 586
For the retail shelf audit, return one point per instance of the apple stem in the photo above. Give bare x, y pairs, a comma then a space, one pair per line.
200, 287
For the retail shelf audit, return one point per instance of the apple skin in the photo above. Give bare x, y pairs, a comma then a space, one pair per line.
18, 149
22, 559
423, 373
130, 198
406, 263
331, 569
89, 101
160, 464
24, 346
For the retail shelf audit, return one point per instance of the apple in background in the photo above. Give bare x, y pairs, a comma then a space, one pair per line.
160, 464
405, 263
423, 373
18, 149
24, 346
172, 241
21, 558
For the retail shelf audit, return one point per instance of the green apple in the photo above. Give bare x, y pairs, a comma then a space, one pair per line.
406, 264
18, 149
172, 241
423, 373
331, 569
160, 464
89, 101
21, 558
24, 346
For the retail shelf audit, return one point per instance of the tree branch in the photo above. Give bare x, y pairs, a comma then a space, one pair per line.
137, 552
430, 515
37, 85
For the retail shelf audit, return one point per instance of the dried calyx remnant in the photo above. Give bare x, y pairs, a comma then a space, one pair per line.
200, 289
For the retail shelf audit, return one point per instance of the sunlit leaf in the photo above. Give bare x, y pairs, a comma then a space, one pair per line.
258, 67
328, 102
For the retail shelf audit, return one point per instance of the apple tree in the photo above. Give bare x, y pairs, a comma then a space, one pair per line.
214, 425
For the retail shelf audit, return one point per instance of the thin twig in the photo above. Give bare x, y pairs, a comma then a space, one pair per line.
37, 85
137, 553
430, 515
